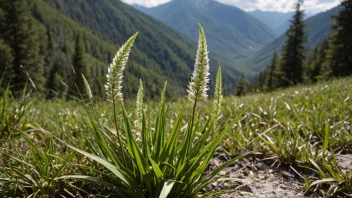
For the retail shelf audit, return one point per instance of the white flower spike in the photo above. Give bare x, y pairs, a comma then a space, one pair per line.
198, 87
115, 71
218, 95
139, 107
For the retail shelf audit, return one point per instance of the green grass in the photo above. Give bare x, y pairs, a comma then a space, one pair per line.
303, 127
96, 148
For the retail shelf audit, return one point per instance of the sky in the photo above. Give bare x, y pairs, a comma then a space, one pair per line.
311, 6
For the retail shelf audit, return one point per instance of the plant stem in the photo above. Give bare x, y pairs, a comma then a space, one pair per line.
117, 132
191, 129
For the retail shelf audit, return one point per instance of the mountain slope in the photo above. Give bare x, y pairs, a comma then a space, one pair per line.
318, 27
231, 32
159, 53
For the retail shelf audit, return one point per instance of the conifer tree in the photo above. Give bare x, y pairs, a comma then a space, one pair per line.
314, 65
293, 55
79, 67
319, 65
57, 74
20, 34
342, 55
5, 63
326, 57
241, 88
274, 78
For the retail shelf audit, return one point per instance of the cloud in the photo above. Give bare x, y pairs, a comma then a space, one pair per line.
146, 3
311, 6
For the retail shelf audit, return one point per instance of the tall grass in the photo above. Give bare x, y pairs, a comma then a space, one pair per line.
169, 161
12, 111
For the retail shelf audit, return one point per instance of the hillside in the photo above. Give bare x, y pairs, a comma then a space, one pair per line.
159, 53
232, 33
318, 27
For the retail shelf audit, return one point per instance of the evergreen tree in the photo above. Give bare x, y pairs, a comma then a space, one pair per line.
326, 57
319, 65
293, 50
57, 74
97, 80
5, 63
20, 34
79, 67
342, 57
241, 88
274, 78
314, 65
259, 80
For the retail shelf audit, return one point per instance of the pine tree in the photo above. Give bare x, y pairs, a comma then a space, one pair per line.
342, 56
259, 81
293, 51
319, 65
79, 67
6, 57
241, 88
326, 57
20, 34
5, 63
57, 74
314, 65
274, 79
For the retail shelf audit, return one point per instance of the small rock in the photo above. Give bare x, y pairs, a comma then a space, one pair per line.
214, 185
344, 161
223, 157
244, 188
287, 175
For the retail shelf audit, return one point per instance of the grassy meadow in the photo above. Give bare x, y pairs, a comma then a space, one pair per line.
45, 144
73, 126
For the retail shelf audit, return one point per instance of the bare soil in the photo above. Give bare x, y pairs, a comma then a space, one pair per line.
253, 177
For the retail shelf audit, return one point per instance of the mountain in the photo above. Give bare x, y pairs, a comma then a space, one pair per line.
278, 21
159, 53
140, 8
318, 27
231, 32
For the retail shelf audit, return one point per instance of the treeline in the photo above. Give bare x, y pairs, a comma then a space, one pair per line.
48, 44
45, 56
332, 58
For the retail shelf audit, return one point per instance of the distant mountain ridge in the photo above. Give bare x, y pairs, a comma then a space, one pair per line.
278, 21
231, 32
318, 27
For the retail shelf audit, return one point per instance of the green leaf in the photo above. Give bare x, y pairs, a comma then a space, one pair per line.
90, 180
326, 137
133, 148
118, 173
156, 169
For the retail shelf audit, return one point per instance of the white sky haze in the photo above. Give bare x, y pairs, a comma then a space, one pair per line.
311, 6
